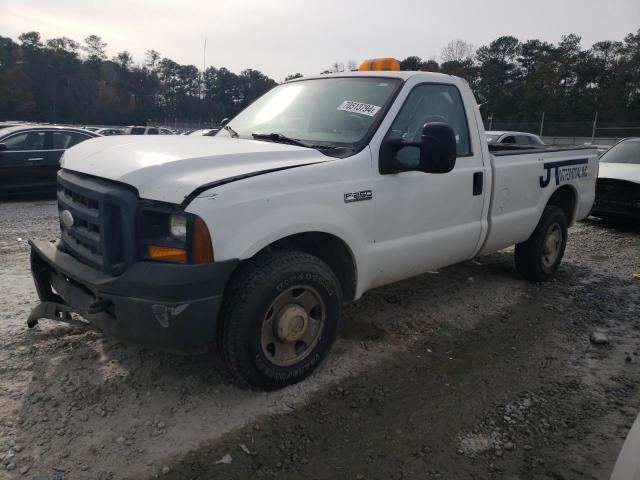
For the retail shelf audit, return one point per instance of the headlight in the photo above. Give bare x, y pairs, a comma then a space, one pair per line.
168, 234
178, 227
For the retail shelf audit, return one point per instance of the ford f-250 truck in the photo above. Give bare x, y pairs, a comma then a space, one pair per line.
320, 190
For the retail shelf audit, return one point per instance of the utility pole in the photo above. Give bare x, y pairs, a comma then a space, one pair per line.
491, 121
593, 132
204, 67
204, 55
542, 123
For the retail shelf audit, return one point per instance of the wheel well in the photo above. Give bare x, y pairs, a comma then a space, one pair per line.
565, 198
328, 248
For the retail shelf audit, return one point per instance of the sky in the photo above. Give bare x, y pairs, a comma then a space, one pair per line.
281, 37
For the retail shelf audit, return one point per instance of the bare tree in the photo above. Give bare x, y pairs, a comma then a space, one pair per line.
339, 67
336, 67
457, 50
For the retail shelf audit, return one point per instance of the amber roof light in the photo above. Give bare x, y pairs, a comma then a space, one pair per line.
380, 64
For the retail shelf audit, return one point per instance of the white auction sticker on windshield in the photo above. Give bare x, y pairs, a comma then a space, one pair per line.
357, 107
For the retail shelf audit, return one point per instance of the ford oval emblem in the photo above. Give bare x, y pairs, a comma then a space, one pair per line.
66, 218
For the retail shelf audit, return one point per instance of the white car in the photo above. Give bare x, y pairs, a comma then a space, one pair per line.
110, 131
618, 185
513, 138
204, 132
321, 190
140, 130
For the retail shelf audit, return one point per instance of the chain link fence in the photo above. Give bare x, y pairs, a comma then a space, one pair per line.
555, 129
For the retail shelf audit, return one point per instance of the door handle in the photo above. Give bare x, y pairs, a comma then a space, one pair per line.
37, 159
477, 183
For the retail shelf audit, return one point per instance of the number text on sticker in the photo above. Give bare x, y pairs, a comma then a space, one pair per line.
357, 107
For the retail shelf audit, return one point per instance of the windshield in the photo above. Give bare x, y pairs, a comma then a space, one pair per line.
331, 112
627, 151
492, 137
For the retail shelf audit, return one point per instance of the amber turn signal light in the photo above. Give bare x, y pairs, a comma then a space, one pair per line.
167, 254
201, 242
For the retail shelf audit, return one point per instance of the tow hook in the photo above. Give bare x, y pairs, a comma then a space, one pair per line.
53, 311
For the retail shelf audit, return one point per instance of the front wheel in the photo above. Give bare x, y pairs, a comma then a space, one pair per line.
279, 320
539, 257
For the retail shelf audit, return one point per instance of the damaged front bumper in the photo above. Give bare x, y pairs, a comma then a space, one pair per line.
166, 306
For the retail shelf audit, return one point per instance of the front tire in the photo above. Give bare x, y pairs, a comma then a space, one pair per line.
539, 257
279, 319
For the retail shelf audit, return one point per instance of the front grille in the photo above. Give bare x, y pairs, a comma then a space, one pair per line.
102, 231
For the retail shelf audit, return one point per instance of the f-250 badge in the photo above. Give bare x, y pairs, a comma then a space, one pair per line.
358, 196
565, 170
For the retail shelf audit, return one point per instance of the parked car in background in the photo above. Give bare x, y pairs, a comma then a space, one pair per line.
618, 185
11, 124
30, 156
204, 132
514, 138
139, 130
110, 131
602, 149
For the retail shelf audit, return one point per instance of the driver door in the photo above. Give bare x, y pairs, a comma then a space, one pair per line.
424, 220
20, 162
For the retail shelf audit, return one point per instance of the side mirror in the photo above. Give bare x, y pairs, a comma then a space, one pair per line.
436, 151
437, 148
3, 147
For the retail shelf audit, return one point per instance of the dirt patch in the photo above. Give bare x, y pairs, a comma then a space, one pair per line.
516, 393
419, 384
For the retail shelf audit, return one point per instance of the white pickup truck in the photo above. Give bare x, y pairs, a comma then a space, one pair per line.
321, 190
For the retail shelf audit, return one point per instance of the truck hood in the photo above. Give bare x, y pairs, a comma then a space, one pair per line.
620, 171
170, 168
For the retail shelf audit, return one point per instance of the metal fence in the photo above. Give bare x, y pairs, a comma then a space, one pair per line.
597, 128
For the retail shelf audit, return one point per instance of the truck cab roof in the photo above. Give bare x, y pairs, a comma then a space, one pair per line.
402, 75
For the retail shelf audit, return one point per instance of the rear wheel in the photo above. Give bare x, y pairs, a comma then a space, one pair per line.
539, 257
280, 319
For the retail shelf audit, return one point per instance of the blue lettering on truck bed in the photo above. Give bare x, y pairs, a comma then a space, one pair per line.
565, 170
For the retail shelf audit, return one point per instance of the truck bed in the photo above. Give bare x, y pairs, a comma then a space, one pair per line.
519, 173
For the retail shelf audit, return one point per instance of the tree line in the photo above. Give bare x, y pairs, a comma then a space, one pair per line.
64, 81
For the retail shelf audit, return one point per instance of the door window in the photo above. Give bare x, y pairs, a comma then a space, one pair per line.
508, 139
25, 141
430, 103
63, 140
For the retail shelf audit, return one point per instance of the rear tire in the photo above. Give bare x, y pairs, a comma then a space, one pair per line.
280, 319
538, 258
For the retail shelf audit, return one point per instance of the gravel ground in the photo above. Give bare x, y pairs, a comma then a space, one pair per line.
470, 372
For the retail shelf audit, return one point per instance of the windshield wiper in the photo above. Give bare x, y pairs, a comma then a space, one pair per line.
231, 131
280, 138
327, 147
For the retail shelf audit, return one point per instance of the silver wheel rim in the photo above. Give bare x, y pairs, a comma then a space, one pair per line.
292, 325
552, 244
